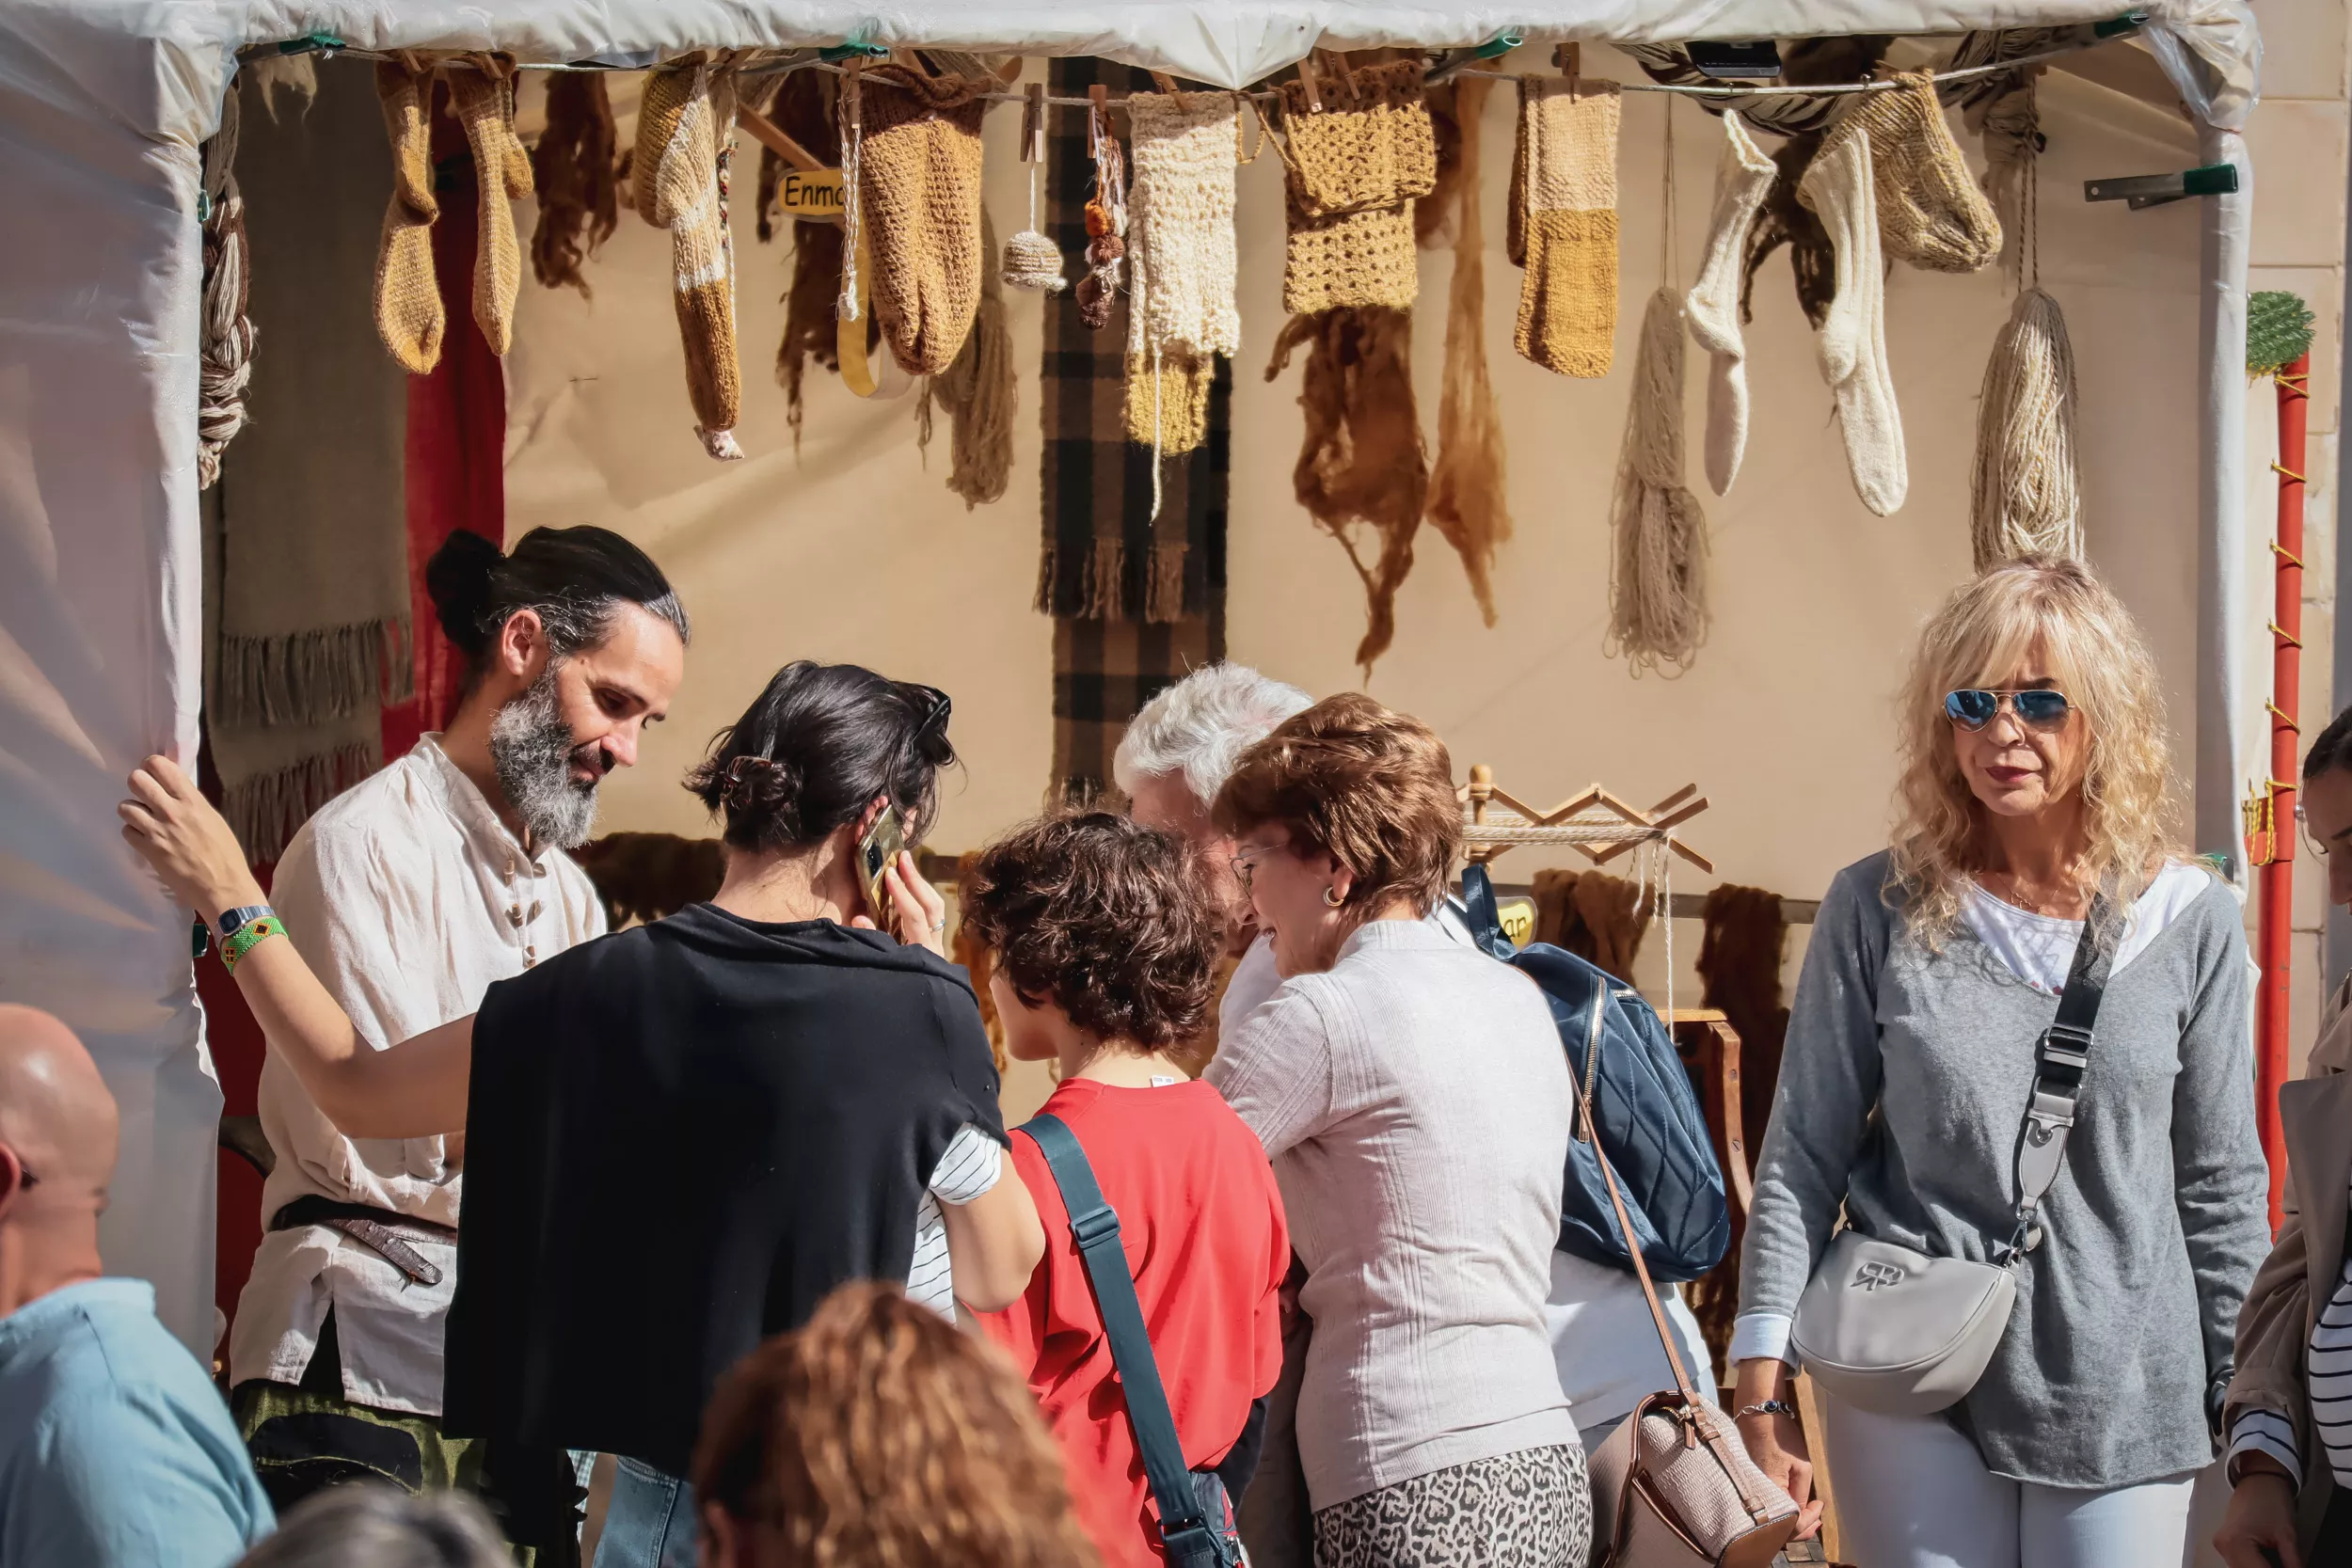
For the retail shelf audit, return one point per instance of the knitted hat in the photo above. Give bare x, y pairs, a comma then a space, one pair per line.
1355, 164
1567, 200
677, 165
919, 204
1181, 223
408, 314
1931, 213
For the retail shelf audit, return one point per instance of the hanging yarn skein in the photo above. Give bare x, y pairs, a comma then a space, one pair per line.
1468, 502
1657, 582
225, 351
2026, 489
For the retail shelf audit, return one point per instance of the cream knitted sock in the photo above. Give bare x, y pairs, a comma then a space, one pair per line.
1713, 303
1852, 340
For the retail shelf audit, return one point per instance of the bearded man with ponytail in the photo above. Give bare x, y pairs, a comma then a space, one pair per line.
410, 895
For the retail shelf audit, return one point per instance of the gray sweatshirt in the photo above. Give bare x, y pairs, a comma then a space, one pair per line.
2158, 1218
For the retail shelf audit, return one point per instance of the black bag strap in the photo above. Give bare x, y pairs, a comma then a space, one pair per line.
1094, 1226
2060, 1057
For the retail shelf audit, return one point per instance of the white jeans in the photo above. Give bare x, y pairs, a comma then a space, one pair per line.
1912, 1494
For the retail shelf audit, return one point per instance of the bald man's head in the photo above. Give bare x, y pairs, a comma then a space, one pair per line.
58, 1139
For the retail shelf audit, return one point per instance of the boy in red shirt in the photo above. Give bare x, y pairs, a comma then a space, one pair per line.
1104, 954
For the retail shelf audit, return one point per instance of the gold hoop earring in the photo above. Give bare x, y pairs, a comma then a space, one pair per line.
1332, 898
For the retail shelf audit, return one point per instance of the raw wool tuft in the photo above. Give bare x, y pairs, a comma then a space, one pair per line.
1107, 231
1742, 181
225, 347
1468, 502
408, 313
1563, 199
1354, 167
2027, 498
679, 189
483, 98
573, 169
1785, 220
918, 208
1853, 339
1599, 917
1929, 212
804, 109
295, 75
1658, 592
1362, 464
979, 394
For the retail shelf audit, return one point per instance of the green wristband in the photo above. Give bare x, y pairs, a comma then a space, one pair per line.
247, 938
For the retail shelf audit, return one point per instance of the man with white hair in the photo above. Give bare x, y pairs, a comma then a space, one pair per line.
1177, 754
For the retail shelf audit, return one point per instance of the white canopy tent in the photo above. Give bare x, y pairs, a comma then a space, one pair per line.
103, 104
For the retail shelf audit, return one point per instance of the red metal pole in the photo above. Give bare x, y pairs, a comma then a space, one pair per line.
2277, 857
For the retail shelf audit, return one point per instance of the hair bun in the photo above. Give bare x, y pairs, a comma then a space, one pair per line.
459, 579
753, 786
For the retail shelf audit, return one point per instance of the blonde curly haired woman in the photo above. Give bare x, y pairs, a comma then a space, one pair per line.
2035, 778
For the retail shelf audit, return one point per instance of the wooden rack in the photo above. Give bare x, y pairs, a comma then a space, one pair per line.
1594, 822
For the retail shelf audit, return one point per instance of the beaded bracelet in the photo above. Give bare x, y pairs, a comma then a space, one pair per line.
248, 937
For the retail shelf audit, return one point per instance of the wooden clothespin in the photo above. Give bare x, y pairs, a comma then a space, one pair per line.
1098, 116
1307, 80
1335, 68
769, 135
1166, 83
1033, 123
1569, 58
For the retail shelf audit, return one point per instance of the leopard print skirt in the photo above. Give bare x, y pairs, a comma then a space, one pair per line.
1533, 1508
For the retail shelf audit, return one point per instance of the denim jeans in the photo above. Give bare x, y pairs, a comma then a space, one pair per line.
649, 1522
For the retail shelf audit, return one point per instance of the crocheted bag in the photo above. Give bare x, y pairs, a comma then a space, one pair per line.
919, 193
1356, 165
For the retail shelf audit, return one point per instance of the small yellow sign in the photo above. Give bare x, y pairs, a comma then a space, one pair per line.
812, 198
1518, 920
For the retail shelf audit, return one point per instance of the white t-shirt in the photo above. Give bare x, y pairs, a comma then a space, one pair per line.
971, 1166
1605, 1345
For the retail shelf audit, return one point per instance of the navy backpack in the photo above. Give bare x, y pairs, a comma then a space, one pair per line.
1651, 1125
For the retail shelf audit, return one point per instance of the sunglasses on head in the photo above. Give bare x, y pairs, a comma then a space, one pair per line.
2038, 710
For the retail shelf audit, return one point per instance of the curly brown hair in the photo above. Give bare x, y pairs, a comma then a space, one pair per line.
1103, 917
877, 1435
1371, 787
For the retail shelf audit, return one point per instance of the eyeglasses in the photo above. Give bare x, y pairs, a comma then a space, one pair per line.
1246, 864
2038, 710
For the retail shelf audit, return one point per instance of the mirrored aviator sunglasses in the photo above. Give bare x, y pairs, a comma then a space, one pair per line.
2039, 709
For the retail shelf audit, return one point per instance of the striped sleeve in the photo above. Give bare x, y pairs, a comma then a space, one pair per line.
2265, 1431
972, 1164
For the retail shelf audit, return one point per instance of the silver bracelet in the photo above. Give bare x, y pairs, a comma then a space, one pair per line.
1769, 1407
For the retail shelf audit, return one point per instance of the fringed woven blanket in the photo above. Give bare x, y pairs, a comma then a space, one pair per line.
1137, 602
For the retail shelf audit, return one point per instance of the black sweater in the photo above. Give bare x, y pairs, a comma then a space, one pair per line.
679, 1139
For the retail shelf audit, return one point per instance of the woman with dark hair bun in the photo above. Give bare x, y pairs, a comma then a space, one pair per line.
685, 1136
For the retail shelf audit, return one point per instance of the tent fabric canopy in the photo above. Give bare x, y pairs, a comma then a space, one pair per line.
103, 104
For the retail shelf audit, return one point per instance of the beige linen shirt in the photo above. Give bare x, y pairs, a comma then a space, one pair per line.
408, 897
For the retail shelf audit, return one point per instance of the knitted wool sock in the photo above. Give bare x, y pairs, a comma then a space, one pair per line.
919, 194
1713, 303
1929, 210
485, 103
1568, 300
677, 189
1181, 223
408, 315
1853, 339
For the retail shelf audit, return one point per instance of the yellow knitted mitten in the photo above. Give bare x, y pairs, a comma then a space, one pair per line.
1171, 408
483, 99
408, 315
919, 194
677, 163
1568, 197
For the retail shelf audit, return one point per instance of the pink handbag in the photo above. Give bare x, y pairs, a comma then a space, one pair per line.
1673, 1487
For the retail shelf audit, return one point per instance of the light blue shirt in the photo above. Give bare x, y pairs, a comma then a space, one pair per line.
116, 1451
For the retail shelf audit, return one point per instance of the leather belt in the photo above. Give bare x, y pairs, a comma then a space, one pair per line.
377, 1229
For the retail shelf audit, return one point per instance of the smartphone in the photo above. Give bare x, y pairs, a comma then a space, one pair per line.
877, 852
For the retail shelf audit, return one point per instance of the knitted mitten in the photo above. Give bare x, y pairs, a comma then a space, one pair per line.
1853, 339
1568, 300
676, 175
408, 315
1355, 166
1180, 236
1713, 303
919, 203
1168, 405
1929, 210
483, 100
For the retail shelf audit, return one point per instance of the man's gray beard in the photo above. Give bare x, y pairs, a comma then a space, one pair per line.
532, 747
